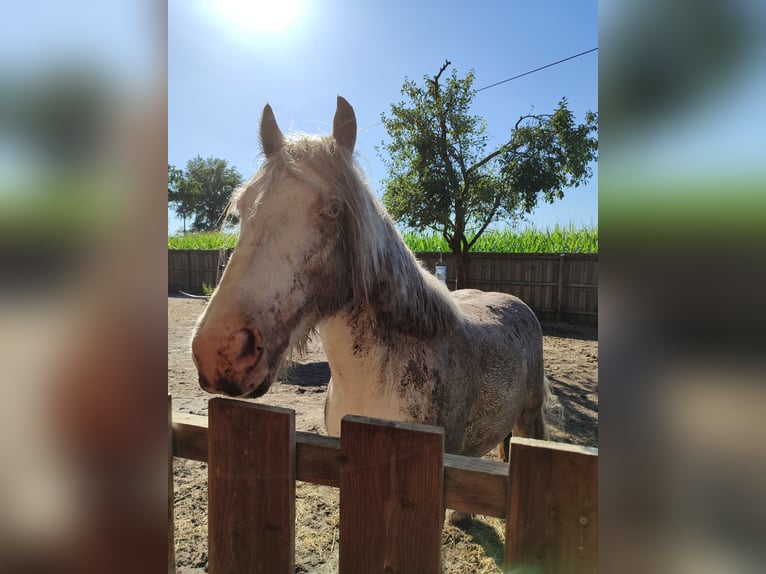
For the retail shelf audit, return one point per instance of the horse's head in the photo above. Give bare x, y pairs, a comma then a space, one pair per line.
289, 266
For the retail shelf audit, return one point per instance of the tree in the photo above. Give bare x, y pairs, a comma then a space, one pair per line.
176, 194
443, 177
202, 191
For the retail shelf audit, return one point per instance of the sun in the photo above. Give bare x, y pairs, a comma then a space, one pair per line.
264, 16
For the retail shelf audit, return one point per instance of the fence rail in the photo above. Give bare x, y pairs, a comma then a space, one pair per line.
395, 481
556, 286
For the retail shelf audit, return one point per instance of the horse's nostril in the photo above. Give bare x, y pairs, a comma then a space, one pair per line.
246, 340
250, 348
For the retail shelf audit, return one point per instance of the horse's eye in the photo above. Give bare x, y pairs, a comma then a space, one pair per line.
333, 209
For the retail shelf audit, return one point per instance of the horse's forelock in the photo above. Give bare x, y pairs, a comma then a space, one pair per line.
323, 164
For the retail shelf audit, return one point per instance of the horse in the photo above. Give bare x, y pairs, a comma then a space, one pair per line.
316, 252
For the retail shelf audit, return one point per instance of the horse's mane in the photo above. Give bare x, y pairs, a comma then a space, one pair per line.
384, 274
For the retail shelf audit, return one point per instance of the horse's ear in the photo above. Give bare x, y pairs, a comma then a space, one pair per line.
344, 125
271, 136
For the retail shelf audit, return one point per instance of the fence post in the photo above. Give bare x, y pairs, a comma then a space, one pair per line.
188, 272
251, 488
552, 523
391, 496
560, 290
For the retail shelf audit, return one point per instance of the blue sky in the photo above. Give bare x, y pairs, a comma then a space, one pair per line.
226, 60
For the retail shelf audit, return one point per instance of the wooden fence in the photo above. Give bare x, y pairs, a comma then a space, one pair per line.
193, 270
395, 481
556, 286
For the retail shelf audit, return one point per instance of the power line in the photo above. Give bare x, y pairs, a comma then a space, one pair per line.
515, 77
537, 69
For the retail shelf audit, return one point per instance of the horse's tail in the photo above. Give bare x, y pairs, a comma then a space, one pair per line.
550, 409
541, 407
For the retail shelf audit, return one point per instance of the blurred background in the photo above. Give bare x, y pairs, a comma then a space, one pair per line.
682, 210
83, 323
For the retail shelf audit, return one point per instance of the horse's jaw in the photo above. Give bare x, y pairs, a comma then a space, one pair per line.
238, 388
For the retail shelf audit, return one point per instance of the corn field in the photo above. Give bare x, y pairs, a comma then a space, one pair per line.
559, 239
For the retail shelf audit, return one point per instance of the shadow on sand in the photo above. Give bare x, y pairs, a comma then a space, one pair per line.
307, 374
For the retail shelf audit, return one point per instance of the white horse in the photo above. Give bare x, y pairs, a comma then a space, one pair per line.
317, 251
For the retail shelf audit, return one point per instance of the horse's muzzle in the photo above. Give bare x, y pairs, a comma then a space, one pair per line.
225, 363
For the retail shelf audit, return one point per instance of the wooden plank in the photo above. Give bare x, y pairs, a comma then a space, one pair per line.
560, 289
188, 272
190, 436
552, 521
391, 497
251, 488
581, 312
475, 486
318, 459
171, 494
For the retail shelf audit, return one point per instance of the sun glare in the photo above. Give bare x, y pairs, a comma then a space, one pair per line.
265, 16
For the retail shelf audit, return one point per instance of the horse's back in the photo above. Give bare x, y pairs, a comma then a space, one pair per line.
506, 313
506, 341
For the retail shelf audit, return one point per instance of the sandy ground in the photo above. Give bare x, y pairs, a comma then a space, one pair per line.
571, 363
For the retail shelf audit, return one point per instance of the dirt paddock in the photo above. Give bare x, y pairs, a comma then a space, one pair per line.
571, 363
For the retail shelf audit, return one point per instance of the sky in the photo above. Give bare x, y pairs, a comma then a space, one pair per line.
228, 58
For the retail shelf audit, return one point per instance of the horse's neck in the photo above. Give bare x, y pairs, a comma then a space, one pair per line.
358, 378
357, 343
400, 304
407, 307
350, 345
409, 300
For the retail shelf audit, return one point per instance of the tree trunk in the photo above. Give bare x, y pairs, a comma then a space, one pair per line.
457, 245
461, 270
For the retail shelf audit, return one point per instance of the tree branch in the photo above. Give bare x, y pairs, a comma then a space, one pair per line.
502, 149
489, 220
443, 147
540, 117
505, 147
441, 71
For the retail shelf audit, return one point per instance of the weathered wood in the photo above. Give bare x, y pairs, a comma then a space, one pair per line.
391, 502
552, 521
389, 490
318, 459
171, 496
475, 486
471, 485
560, 289
190, 269
251, 488
190, 436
